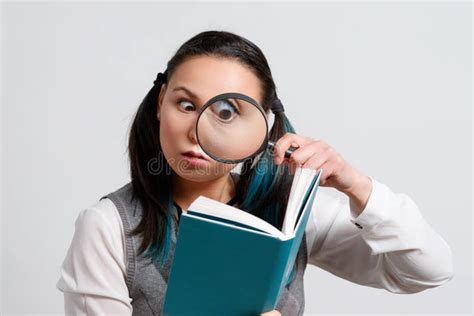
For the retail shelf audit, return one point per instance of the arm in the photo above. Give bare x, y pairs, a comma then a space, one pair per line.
379, 238
92, 275
387, 244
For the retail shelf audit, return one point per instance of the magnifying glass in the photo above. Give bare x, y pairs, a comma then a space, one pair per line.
232, 127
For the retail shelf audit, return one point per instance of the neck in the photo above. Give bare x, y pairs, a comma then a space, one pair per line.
185, 191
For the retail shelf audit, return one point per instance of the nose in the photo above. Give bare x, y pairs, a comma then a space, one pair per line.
192, 132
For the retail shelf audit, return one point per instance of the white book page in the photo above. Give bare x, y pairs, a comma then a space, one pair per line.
291, 202
300, 185
193, 215
207, 206
318, 174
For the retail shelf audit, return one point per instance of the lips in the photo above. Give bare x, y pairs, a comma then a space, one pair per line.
194, 154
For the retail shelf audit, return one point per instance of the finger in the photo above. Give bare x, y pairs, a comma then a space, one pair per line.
306, 152
287, 140
281, 146
328, 168
317, 160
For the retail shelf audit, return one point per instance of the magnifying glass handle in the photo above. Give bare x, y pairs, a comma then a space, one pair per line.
288, 152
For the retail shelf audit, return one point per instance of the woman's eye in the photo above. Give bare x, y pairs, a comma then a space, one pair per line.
186, 105
225, 110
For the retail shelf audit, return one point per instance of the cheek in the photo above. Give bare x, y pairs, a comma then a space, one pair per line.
167, 129
170, 132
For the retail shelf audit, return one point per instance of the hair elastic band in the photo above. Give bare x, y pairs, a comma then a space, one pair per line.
160, 78
277, 106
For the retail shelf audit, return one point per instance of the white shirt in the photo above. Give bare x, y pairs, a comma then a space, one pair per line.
395, 249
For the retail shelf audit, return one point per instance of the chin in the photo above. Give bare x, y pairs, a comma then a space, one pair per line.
214, 171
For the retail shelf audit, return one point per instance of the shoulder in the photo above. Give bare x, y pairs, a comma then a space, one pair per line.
98, 229
97, 248
100, 222
103, 212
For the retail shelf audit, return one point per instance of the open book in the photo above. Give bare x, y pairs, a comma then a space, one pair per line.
230, 262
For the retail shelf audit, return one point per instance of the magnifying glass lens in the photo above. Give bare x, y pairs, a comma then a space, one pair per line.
231, 129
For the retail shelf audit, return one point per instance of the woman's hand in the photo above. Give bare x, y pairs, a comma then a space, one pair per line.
317, 154
271, 313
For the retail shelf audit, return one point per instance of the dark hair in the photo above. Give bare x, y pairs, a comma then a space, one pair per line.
263, 194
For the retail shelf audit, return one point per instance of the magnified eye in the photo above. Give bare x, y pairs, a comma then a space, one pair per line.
186, 105
225, 110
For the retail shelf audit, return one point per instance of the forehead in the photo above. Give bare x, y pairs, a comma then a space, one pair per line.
208, 76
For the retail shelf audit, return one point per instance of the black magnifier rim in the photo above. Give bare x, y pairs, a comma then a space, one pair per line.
233, 95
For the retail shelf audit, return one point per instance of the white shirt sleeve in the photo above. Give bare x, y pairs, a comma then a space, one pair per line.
389, 245
93, 273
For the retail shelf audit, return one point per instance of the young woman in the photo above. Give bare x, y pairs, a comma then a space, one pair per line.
121, 252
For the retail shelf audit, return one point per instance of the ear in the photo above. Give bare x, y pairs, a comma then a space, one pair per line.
160, 100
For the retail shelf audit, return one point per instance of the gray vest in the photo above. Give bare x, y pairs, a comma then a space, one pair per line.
147, 281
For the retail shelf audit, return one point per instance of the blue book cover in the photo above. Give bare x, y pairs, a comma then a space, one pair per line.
226, 267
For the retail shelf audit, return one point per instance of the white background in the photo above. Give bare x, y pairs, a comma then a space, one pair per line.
388, 85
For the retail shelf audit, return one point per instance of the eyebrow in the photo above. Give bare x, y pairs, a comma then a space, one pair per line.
189, 92
193, 95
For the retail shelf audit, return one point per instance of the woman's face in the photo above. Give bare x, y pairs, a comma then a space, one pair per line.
192, 84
